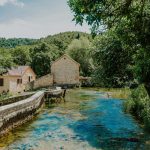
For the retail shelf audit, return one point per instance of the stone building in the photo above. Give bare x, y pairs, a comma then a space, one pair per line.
16, 78
65, 71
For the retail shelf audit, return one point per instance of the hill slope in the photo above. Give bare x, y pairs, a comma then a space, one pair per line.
61, 40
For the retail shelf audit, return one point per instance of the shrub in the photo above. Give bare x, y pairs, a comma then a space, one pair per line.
138, 104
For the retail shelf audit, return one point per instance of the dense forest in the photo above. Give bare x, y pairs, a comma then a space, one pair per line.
13, 42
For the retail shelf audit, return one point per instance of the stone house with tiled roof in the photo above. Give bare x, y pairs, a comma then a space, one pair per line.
16, 78
65, 71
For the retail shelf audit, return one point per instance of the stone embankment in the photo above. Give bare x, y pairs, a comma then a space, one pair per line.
17, 113
15, 99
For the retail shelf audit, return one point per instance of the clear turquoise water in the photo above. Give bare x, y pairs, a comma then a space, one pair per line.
81, 124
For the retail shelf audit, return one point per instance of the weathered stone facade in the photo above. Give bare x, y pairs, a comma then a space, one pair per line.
16, 79
65, 70
5, 86
44, 81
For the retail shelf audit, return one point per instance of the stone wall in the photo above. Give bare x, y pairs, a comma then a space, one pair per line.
11, 85
5, 87
14, 87
17, 113
14, 99
28, 73
44, 81
25, 78
65, 71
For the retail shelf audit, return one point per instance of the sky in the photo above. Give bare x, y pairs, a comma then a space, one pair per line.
36, 18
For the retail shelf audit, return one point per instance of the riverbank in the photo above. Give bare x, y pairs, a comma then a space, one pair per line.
120, 93
138, 104
88, 120
17, 113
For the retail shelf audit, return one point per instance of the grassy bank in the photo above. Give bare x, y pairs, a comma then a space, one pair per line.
138, 105
120, 93
4, 96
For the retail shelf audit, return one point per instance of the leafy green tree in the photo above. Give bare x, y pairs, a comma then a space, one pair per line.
132, 15
110, 60
62, 40
142, 67
79, 51
21, 55
42, 56
6, 60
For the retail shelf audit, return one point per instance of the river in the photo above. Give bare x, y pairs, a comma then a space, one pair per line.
88, 120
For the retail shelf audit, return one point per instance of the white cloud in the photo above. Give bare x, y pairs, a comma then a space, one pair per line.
13, 2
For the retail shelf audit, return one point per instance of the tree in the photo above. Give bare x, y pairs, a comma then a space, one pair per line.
21, 55
134, 14
142, 67
79, 51
42, 56
6, 60
13, 42
111, 61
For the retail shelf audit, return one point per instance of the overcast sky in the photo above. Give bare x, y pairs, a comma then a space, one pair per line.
36, 18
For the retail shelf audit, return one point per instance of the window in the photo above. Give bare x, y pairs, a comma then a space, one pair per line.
19, 81
29, 78
1, 82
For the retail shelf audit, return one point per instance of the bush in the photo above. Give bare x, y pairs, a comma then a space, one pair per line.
138, 104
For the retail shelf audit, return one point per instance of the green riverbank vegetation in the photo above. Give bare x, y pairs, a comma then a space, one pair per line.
138, 104
4, 96
120, 93
121, 47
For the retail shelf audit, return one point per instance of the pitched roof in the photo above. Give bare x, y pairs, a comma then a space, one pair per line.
17, 71
65, 55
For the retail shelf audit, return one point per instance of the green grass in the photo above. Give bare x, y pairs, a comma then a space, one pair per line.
120, 93
4, 96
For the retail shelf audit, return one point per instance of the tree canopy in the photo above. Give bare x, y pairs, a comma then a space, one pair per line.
111, 61
79, 50
6, 60
13, 42
129, 19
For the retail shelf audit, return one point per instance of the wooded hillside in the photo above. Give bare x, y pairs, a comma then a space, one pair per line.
39, 53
